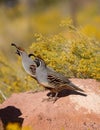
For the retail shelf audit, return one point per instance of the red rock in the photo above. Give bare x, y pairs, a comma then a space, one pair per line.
72, 111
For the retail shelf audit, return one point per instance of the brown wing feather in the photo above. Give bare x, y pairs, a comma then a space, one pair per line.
59, 81
59, 84
56, 81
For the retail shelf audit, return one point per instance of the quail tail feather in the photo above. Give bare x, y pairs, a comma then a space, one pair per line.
74, 87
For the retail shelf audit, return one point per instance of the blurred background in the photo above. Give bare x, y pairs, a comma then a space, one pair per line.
67, 25
20, 19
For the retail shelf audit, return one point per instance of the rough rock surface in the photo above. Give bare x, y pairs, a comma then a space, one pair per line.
72, 111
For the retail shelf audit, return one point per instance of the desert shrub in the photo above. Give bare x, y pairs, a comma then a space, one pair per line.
77, 57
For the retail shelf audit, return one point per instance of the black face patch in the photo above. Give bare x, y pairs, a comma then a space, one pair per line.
37, 61
18, 52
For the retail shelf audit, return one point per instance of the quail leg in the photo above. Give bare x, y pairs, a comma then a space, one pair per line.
54, 99
49, 97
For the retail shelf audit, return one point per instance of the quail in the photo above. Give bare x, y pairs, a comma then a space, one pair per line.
28, 64
52, 80
46, 76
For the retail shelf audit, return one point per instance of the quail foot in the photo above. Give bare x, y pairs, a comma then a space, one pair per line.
51, 80
28, 64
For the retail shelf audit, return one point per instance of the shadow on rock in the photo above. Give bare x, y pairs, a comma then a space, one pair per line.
65, 93
10, 114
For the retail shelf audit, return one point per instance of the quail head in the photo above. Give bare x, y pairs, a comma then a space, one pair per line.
52, 80
28, 64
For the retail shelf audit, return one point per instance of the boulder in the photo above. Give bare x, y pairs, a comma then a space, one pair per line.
72, 111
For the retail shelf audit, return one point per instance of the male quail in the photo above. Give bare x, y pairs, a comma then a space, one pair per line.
46, 76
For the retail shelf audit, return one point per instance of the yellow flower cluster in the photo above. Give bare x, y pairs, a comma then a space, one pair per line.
78, 57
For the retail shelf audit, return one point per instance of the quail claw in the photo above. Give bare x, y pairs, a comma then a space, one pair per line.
53, 99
